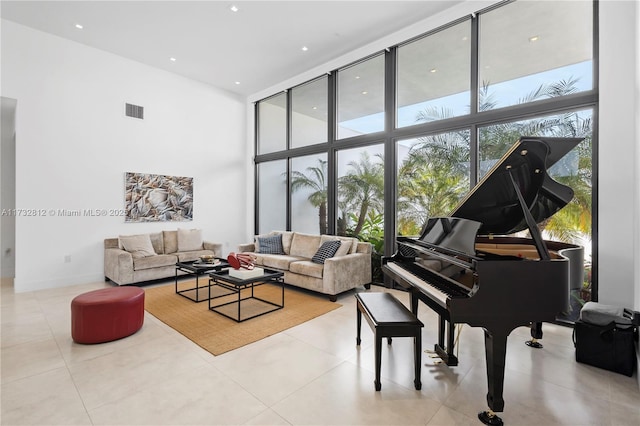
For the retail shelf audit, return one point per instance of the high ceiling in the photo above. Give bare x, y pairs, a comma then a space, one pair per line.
246, 51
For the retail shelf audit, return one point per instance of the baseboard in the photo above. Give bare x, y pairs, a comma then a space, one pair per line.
22, 286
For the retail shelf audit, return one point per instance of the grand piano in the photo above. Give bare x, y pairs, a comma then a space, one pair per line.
469, 268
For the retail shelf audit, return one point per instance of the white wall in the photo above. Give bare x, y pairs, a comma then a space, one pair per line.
618, 137
74, 145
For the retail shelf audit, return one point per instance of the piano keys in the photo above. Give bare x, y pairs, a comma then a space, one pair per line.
469, 268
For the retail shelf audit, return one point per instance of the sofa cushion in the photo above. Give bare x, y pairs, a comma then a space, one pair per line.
170, 239
278, 261
326, 250
189, 239
157, 241
156, 261
271, 244
308, 268
304, 245
287, 237
138, 245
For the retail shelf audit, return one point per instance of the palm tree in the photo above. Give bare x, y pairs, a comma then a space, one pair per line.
428, 186
315, 179
363, 187
432, 179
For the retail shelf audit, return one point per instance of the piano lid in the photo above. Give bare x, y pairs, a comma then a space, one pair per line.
494, 201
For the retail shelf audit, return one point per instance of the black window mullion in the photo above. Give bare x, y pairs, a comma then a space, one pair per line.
332, 184
475, 86
256, 195
390, 152
288, 147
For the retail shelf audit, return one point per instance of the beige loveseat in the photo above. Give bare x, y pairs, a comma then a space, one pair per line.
304, 265
132, 259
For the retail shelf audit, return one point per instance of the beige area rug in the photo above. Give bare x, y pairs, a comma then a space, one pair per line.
218, 334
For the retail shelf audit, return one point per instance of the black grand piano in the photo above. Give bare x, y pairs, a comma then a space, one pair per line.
469, 269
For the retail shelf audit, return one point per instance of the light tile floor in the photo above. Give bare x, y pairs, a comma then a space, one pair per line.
310, 374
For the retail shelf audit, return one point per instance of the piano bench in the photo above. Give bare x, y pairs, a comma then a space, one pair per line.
388, 317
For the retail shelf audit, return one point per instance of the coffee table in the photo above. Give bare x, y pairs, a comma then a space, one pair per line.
197, 268
236, 285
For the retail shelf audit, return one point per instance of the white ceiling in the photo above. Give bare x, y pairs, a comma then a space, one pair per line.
258, 46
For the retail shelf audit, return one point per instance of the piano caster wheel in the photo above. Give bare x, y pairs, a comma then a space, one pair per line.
418, 385
533, 343
378, 385
490, 418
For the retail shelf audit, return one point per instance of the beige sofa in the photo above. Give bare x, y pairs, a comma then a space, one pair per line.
130, 259
297, 257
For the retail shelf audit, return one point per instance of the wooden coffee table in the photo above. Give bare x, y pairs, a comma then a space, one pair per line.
236, 285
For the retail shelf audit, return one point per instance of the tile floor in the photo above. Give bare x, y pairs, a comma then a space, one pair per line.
309, 374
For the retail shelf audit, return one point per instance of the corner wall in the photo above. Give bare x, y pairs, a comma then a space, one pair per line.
617, 156
74, 144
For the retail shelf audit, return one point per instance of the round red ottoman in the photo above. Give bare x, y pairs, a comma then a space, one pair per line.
107, 314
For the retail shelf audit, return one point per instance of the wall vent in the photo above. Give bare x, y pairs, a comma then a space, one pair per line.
134, 111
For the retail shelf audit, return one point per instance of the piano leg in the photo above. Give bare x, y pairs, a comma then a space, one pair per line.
414, 303
536, 333
495, 346
442, 325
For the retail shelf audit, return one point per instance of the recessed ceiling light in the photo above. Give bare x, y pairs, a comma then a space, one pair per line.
314, 108
357, 77
172, 59
305, 48
432, 70
237, 82
233, 8
364, 92
534, 38
78, 26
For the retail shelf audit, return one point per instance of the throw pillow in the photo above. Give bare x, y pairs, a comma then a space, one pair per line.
189, 239
345, 247
270, 245
326, 250
137, 245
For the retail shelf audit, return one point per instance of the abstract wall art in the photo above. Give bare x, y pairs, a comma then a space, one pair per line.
158, 198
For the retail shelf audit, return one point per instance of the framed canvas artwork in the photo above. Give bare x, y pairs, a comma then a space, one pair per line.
158, 198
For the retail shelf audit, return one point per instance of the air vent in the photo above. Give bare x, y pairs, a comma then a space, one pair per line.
134, 111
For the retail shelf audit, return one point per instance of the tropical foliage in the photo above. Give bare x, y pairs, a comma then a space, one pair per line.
362, 189
314, 180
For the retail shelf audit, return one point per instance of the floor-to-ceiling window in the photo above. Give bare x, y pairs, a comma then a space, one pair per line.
433, 174
309, 113
309, 194
360, 102
376, 147
433, 76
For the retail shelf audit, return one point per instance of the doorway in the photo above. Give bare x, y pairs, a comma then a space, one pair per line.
8, 184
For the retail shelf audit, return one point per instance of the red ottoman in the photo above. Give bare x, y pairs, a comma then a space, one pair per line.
107, 314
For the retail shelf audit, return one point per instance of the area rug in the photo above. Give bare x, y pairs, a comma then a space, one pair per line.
218, 334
